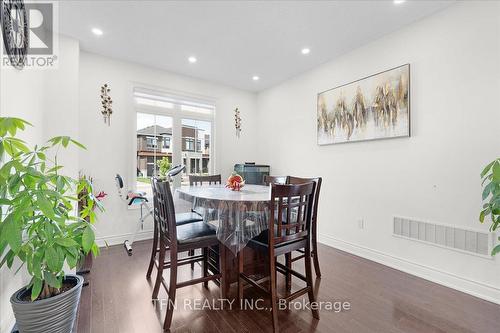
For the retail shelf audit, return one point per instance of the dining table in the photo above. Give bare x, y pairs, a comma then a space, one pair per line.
237, 217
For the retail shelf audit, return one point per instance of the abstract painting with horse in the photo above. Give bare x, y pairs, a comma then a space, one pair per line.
376, 107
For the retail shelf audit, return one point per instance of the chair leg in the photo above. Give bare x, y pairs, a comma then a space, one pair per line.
205, 265
153, 252
274, 295
240, 280
309, 282
315, 249
159, 276
288, 276
223, 272
172, 288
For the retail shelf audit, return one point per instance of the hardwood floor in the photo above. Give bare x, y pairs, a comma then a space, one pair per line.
381, 299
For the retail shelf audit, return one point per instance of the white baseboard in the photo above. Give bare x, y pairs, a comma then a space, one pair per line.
8, 323
119, 239
468, 286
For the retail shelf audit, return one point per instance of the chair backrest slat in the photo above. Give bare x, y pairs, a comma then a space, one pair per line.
291, 212
291, 237
318, 181
280, 214
274, 180
289, 207
164, 210
199, 180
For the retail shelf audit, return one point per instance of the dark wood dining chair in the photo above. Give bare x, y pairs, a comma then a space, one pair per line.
180, 219
195, 180
200, 180
314, 226
179, 238
274, 179
295, 202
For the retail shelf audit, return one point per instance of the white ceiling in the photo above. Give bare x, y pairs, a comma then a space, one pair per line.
235, 40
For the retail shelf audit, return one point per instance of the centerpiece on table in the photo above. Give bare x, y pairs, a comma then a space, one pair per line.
235, 182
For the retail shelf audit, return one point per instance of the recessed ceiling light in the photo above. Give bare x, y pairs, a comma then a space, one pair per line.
255, 78
192, 59
398, 2
305, 50
97, 31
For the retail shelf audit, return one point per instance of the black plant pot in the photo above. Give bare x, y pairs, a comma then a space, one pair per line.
55, 314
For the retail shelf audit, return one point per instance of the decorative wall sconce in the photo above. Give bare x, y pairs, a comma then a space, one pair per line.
107, 104
237, 122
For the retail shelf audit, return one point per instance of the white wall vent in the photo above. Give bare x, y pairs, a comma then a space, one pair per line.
464, 240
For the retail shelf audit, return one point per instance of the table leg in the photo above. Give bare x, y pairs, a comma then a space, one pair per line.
226, 276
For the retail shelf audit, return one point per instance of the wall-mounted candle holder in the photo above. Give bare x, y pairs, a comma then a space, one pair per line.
237, 122
106, 103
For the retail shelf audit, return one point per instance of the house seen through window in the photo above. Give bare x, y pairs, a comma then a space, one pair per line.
170, 132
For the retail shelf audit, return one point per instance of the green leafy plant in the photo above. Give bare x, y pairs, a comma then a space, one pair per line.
38, 221
164, 166
491, 197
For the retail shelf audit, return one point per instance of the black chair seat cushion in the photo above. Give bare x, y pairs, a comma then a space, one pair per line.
194, 232
183, 218
263, 239
201, 211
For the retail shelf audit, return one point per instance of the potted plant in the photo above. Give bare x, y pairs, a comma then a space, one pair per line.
39, 227
164, 166
491, 197
84, 266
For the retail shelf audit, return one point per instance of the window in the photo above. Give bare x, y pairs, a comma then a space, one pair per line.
193, 165
198, 159
150, 134
188, 144
166, 142
151, 143
171, 130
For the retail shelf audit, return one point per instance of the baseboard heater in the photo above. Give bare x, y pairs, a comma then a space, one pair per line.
470, 241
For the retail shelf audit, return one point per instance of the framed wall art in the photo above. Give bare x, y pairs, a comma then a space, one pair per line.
375, 107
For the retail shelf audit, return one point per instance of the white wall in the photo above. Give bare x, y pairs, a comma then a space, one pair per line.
111, 150
60, 115
49, 100
434, 175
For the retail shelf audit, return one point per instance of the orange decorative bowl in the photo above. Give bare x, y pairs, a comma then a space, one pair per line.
235, 182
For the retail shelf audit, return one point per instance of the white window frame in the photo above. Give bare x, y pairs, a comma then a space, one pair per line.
177, 114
